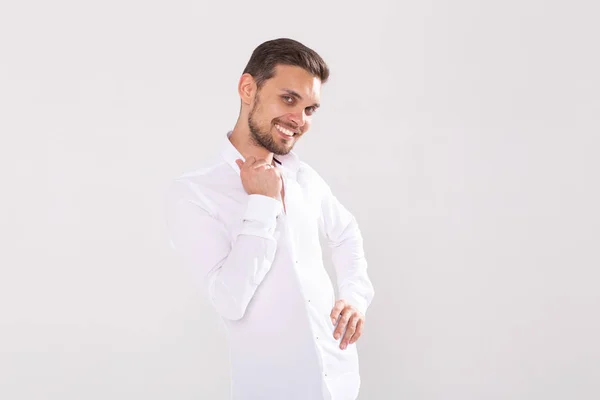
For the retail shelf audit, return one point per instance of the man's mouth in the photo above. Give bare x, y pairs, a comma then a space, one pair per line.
285, 131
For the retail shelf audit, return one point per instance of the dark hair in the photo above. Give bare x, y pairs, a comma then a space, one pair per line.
288, 52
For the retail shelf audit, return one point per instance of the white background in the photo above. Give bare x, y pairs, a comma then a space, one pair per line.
463, 135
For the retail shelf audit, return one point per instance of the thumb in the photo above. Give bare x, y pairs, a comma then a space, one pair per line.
239, 163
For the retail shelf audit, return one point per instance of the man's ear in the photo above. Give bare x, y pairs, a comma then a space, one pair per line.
247, 88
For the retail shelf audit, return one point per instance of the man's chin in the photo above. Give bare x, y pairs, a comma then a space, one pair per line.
284, 146
282, 152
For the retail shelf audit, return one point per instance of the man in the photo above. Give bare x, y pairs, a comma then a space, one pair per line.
249, 223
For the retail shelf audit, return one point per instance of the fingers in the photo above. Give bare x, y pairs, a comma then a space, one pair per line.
350, 330
253, 162
341, 327
250, 160
350, 324
261, 163
359, 330
337, 309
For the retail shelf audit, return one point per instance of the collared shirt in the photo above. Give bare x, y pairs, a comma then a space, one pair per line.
261, 268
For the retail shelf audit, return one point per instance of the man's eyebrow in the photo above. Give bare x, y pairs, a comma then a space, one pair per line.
297, 95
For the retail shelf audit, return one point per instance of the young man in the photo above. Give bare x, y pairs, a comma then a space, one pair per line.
249, 223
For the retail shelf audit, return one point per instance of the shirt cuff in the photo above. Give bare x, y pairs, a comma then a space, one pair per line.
262, 209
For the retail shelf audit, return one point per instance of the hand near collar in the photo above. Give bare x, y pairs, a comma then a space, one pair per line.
260, 177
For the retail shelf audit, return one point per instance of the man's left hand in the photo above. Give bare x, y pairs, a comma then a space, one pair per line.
350, 323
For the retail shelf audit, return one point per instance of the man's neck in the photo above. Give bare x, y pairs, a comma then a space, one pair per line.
241, 140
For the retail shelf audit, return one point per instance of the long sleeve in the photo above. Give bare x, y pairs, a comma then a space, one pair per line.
230, 267
345, 240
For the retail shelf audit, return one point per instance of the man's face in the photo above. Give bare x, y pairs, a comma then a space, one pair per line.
282, 109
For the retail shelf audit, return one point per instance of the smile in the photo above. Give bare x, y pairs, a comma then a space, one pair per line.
283, 130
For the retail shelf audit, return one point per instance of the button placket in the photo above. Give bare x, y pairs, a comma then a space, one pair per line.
289, 191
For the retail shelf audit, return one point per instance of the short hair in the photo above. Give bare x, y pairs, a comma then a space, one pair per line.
284, 51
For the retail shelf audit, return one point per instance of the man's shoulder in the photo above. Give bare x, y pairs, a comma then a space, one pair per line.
309, 174
197, 184
206, 174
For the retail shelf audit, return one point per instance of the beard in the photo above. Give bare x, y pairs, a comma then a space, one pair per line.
264, 138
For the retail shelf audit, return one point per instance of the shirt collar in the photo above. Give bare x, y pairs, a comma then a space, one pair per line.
290, 162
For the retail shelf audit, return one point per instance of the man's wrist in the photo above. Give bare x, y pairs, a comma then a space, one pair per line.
262, 208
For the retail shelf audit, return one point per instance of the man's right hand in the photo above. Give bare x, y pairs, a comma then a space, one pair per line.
260, 177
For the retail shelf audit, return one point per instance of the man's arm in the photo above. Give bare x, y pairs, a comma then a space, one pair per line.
346, 243
230, 272
355, 290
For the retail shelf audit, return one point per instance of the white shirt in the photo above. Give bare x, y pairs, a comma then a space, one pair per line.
262, 270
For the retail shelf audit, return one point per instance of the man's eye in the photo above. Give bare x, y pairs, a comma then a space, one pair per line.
288, 99
310, 110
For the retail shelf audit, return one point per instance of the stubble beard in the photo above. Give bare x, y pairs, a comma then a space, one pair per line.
264, 139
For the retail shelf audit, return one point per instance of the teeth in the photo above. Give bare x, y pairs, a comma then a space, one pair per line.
283, 130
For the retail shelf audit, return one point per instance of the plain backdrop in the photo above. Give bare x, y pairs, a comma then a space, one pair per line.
463, 135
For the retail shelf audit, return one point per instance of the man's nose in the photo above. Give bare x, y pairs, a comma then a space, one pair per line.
299, 118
